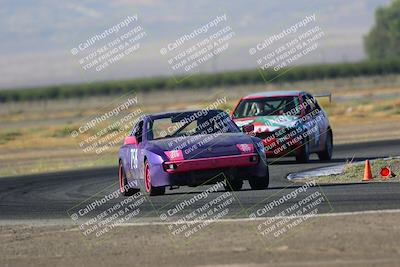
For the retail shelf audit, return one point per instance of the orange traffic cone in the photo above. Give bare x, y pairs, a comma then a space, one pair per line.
367, 171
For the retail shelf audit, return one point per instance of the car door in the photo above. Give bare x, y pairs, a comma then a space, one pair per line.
133, 152
311, 115
322, 121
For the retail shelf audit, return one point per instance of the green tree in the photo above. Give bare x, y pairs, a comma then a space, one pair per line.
383, 40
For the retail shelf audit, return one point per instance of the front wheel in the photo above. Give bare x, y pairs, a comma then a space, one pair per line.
150, 189
303, 152
124, 187
326, 154
259, 183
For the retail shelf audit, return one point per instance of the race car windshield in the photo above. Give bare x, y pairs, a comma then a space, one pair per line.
268, 106
191, 123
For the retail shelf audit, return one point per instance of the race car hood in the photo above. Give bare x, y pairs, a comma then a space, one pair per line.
203, 146
268, 123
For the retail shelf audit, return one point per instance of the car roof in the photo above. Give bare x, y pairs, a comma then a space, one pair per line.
274, 94
175, 112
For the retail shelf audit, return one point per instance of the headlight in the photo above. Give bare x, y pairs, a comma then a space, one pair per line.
174, 155
245, 148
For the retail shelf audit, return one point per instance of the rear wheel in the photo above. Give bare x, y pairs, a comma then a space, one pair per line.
326, 154
150, 189
303, 152
259, 183
124, 188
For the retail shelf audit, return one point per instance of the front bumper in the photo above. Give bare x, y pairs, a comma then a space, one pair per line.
208, 170
278, 147
244, 160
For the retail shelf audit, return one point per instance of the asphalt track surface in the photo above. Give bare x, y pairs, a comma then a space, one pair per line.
51, 196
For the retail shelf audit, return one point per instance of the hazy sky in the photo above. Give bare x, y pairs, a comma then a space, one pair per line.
37, 35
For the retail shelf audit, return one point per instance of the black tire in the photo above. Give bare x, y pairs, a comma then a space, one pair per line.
303, 152
326, 154
233, 184
259, 183
157, 191
123, 182
148, 187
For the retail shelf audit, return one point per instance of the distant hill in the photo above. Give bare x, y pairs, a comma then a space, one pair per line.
37, 36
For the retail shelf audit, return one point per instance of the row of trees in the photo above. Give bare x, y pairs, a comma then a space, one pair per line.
307, 72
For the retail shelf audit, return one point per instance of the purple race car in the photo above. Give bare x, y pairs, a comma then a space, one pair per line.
190, 148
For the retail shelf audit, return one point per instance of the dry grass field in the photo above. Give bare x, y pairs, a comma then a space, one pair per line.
36, 136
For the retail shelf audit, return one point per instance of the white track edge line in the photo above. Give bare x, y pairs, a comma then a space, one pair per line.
265, 218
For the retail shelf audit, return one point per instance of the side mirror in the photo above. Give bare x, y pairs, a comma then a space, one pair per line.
130, 140
248, 128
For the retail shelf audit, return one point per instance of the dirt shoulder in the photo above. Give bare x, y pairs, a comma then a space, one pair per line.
351, 240
353, 172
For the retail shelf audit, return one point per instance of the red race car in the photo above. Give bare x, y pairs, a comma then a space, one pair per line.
290, 123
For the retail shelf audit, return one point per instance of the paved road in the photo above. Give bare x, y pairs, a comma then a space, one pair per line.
50, 196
